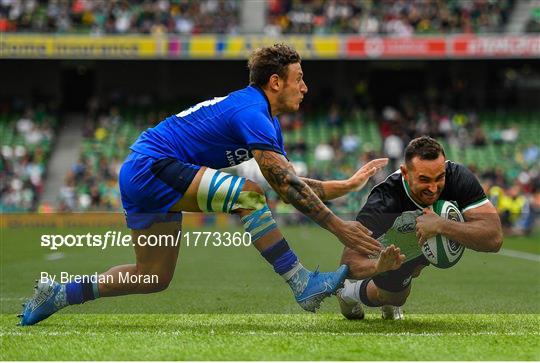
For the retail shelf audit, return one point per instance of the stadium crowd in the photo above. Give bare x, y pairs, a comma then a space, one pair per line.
396, 18
26, 141
513, 185
119, 16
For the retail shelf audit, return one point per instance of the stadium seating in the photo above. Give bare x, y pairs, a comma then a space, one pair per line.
26, 141
398, 18
111, 142
119, 17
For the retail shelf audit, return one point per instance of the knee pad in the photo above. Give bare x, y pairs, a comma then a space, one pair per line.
222, 192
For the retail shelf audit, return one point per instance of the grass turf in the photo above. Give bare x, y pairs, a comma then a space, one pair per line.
274, 337
224, 303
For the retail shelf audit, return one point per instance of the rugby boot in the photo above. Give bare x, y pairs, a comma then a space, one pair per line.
390, 312
49, 297
312, 287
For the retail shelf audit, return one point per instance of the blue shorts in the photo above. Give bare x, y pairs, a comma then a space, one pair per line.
149, 187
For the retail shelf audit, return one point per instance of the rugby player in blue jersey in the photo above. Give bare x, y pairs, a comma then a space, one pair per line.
174, 167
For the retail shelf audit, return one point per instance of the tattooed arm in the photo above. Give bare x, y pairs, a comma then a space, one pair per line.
331, 189
282, 178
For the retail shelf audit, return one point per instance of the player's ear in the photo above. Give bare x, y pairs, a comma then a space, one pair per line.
274, 82
404, 171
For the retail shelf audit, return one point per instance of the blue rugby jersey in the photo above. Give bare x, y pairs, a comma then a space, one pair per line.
217, 133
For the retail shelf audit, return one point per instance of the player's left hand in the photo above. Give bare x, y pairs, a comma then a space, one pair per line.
360, 178
428, 225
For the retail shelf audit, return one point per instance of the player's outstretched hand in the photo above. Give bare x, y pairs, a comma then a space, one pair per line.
360, 178
357, 237
390, 259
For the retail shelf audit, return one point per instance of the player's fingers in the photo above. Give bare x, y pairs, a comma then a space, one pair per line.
371, 246
363, 228
362, 250
372, 172
370, 242
378, 163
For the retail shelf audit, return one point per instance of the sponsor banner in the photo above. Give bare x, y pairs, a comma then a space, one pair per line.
76, 46
326, 47
236, 47
511, 46
240, 46
378, 47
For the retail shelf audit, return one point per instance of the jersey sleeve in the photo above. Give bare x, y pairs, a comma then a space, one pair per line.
257, 130
466, 189
379, 212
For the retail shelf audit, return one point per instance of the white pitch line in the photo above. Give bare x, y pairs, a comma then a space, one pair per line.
518, 254
260, 333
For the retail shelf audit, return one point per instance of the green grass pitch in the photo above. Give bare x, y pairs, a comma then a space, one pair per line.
226, 304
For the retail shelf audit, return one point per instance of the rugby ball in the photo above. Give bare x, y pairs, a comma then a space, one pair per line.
440, 251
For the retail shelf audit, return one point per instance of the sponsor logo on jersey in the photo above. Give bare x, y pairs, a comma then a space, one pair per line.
406, 228
238, 156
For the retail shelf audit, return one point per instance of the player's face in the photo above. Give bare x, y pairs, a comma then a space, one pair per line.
294, 89
425, 179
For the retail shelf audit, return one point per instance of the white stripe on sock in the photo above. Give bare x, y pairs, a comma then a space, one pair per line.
287, 275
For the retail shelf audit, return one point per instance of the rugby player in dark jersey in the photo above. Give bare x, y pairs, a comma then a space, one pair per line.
397, 211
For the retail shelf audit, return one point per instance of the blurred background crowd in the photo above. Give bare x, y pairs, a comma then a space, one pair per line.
330, 138
120, 16
367, 17
399, 18
331, 145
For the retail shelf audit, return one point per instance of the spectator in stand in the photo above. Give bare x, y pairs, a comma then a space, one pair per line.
23, 160
120, 16
392, 17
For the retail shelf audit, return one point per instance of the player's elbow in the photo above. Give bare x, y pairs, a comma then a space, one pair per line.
497, 243
288, 188
493, 244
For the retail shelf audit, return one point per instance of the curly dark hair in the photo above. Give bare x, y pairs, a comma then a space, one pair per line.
264, 62
425, 147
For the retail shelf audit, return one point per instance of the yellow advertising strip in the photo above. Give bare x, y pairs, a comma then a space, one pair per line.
15, 45
326, 46
235, 47
202, 46
78, 46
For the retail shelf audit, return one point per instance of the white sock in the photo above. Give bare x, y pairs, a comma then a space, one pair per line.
351, 291
297, 267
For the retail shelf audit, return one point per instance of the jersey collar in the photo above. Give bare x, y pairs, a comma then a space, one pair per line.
408, 192
266, 98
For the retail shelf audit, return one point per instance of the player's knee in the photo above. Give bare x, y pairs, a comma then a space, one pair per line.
251, 186
153, 281
348, 256
222, 192
396, 299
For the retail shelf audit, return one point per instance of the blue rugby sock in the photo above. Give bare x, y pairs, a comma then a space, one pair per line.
286, 263
79, 292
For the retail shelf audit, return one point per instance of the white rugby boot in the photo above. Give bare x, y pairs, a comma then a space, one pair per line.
351, 308
390, 312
